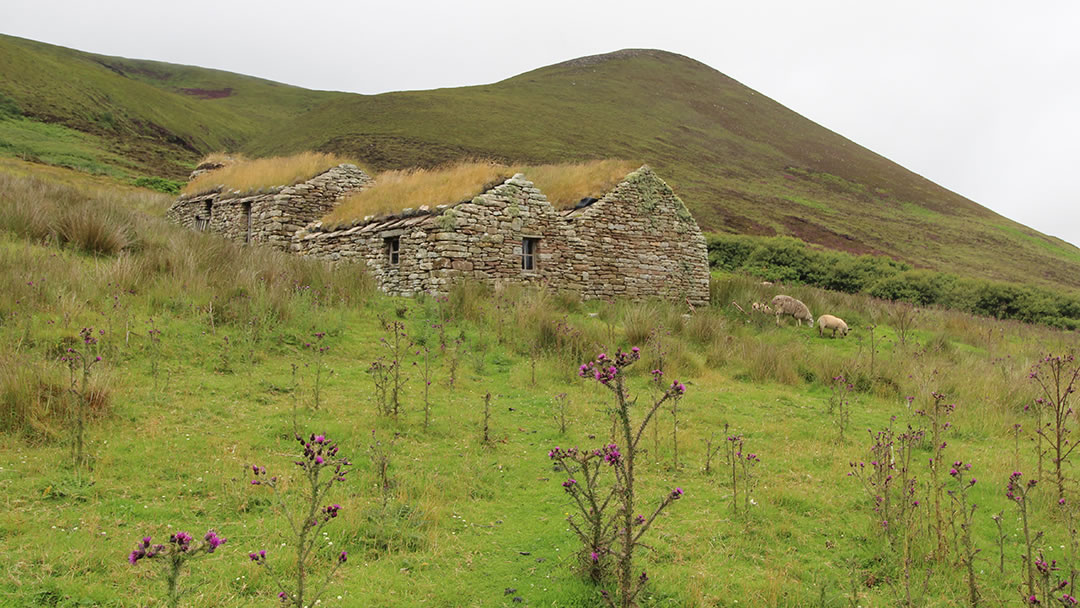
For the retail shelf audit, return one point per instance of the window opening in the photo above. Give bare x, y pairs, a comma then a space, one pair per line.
393, 250
529, 249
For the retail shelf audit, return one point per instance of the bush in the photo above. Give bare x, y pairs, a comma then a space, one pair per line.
788, 260
159, 184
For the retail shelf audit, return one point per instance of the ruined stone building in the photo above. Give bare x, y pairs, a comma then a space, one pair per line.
271, 216
637, 240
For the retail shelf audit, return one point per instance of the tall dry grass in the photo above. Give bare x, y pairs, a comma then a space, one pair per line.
564, 185
35, 400
398, 189
250, 175
138, 250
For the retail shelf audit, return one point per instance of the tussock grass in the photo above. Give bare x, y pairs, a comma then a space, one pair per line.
35, 400
564, 185
250, 175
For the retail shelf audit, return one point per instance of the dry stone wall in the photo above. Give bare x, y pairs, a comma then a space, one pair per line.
479, 240
637, 241
273, 216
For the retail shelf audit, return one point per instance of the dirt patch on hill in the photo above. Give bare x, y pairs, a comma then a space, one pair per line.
208, 93
820, 235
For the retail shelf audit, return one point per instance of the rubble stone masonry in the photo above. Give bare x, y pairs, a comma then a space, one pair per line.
637, 241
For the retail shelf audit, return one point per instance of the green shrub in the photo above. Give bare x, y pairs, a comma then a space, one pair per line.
159, 184
791, 261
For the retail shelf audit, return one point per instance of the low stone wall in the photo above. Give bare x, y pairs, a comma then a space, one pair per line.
637, 241
273, 216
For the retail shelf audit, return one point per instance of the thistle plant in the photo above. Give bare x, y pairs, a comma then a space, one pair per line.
1069, 516
80, 363
322, 468
890, 483
936, 415
173, 556
629, 526
397, 346
711, 450
904, 318
381, 372
907, 504
741, 467
316, 351
877, 478
966, 510
593, 523
839, 404
426, 375
153, 343
486, 426
1056, 377
381, 454
1000, 539
562, 402
1019, 492
451, 350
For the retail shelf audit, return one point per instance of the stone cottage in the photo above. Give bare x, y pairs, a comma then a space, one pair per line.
271, 216
638, 240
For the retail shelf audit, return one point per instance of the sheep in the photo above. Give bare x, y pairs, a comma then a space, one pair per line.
761, 307
787, 305
833, 323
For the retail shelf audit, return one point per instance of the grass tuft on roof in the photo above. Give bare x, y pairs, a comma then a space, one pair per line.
566, 184
250, 175
396, 190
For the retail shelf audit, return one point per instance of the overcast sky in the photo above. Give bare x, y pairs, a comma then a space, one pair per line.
982, 97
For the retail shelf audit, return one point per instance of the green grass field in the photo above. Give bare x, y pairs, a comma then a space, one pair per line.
180, 421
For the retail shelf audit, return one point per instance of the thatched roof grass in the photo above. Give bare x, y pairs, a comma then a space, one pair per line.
566, 184
396, 190
250, 175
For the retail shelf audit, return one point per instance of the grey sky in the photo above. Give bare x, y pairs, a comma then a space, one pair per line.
981, 97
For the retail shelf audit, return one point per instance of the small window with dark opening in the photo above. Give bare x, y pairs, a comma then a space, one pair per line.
530, 247
393, 250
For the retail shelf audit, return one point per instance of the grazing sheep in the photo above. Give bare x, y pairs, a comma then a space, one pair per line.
833, 323
787, 305
762, 308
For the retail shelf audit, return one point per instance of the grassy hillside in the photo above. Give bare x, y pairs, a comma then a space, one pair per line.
128, 117
177, 418
743, 163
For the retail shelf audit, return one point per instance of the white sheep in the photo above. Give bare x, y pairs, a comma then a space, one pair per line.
787, 305
762, 308
833, 323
